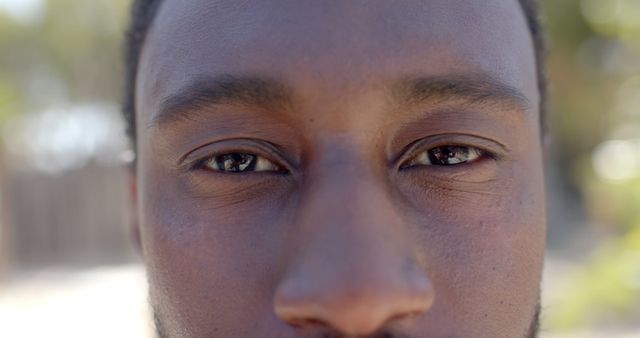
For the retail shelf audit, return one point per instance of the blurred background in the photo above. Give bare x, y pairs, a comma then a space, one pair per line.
67, 266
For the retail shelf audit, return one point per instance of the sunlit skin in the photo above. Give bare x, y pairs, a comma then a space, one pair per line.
340, 169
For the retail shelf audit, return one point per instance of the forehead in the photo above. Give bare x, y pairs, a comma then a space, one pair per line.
334, 44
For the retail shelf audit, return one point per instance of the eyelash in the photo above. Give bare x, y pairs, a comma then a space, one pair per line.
247, 162
224, 163
431, 156
443, 151
238, 156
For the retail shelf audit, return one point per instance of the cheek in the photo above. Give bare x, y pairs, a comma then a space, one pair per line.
211, 258
483, 244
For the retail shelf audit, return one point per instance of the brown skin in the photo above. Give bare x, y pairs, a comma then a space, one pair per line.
352, 234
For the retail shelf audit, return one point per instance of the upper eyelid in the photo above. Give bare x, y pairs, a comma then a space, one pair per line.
487, 146
254, 147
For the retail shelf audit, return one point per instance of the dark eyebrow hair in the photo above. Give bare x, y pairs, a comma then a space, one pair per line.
470, 89
264, 92
222, 89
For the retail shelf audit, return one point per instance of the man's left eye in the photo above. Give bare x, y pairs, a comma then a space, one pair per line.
239, 163
445, 156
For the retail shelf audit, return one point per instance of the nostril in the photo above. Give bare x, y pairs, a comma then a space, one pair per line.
355, 302
309, 322
358, 312
405, 316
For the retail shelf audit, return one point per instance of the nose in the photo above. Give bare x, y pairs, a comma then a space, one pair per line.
355, 268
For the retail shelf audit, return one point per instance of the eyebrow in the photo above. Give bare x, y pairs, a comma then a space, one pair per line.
474, 89
222, 89
259, 91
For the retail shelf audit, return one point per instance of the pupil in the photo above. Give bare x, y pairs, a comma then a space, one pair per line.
236, 162
448, 155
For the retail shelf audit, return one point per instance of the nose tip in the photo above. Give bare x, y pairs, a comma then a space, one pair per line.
354, 307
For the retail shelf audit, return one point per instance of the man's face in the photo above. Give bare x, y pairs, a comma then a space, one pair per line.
340, 168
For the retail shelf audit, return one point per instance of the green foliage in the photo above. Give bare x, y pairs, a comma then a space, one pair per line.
73, 53
595, 53
605, 290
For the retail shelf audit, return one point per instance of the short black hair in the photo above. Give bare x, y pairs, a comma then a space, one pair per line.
144, 11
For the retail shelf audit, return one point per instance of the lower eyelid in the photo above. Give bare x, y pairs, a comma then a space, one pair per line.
481, 170
483, 156
221, 185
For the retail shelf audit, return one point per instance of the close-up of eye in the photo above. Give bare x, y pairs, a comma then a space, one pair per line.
239, 163
445, 156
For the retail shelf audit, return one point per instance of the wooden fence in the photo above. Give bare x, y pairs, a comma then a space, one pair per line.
77, 218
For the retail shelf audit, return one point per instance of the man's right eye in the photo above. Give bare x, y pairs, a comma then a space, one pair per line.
239, 163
